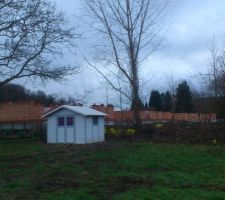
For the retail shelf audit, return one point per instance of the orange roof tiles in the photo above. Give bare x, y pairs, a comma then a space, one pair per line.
119, 116
20, 112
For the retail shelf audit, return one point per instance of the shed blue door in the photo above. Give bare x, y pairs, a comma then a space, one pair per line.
65, 129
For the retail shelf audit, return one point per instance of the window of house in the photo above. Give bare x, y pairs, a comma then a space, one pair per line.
69, 121
95, 120
61, 121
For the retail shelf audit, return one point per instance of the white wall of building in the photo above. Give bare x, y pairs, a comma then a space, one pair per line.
83, 131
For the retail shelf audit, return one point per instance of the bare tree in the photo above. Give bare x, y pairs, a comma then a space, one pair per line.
172, 84
32, 35
213, 80
216, 76
129, 34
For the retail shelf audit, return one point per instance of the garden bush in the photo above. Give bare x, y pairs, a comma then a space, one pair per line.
129, 132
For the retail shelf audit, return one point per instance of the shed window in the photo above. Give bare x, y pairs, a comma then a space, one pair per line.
95, 120
61, 121
69, 121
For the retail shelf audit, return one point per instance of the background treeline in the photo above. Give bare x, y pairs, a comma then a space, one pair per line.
160, 101
16, 93
181, 102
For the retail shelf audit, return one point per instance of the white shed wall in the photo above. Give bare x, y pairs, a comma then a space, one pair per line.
89, 130
80, 129
63, 112
95, 133
51, 129
83, 131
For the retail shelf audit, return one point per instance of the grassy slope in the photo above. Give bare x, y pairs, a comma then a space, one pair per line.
118, 171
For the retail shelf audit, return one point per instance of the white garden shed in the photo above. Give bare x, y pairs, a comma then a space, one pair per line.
75, 125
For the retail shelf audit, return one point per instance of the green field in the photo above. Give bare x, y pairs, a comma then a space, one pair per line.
118, 170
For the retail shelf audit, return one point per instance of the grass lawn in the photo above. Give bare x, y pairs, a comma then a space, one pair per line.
119, 171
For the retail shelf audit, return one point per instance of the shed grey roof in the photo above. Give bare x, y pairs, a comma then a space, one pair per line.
85, 111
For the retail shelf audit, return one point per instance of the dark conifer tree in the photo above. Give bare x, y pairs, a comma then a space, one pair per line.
184, 101
155, 100
166, 100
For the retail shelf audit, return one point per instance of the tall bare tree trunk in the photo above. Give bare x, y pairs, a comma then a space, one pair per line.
130, 35
137, 112
136, 100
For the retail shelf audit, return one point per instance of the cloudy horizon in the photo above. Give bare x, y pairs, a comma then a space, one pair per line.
191, 26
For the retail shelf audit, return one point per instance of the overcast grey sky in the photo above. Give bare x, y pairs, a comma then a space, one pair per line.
191, 25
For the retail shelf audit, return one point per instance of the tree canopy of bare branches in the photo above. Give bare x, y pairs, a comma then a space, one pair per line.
216, 76
217, 71
32, 35
129, 33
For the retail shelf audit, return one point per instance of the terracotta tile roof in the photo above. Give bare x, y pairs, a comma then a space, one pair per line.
127, 116
20, 112
30, 112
